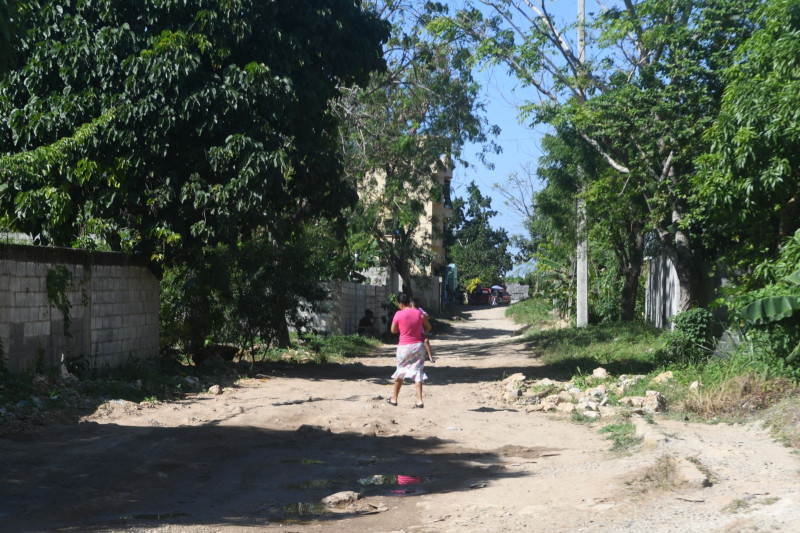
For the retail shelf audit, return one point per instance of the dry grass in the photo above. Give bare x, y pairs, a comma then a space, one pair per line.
738, 396
783, 420
663, 475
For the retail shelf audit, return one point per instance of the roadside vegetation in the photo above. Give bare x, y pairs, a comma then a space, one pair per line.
736, 383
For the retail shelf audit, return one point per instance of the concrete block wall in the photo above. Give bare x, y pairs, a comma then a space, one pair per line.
347, 301
113, 315
518, 292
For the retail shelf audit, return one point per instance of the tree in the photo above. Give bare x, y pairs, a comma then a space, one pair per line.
477, 250
748, 189
12, 15
165, 127
408, 124
171, 130
643, 101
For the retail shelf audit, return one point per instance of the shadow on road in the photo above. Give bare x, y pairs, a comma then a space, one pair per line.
104, 475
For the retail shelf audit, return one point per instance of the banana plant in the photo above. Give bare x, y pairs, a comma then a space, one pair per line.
778, 307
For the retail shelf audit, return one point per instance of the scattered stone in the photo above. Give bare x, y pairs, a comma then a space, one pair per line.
513, 395
545, 382
663, 377
215, 390
596, 392
565, 407
192, 382
695, 385
549, 406
554, 399
592, 414
600, 373
592, 406
341, 498
213, 360
632, 401
655, 402
514, 378
574, 390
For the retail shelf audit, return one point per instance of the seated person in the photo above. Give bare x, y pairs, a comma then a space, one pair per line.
366, 326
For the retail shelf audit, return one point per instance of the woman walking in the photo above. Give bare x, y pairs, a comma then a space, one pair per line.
410, 324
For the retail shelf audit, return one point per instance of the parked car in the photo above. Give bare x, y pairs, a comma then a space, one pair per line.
501, 297
480, 296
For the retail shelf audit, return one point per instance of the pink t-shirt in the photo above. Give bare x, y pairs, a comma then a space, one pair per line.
409, 321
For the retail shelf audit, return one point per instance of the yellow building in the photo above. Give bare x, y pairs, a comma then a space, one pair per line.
437, 212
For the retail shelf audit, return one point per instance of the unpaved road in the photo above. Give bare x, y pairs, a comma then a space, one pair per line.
262, 455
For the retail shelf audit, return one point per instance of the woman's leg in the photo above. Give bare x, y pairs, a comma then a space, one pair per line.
418, 386
397, 384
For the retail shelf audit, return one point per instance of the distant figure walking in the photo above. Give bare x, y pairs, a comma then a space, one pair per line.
410, 323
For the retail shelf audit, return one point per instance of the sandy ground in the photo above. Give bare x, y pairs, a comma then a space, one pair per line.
262, 455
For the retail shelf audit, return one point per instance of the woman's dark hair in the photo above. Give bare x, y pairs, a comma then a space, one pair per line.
403, 298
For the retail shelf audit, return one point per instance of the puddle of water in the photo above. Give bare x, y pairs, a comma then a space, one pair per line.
378, 479
314, 484
305, 461
159, 517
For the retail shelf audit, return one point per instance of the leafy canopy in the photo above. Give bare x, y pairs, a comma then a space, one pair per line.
163, 126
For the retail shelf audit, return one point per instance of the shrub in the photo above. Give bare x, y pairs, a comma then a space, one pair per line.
691, 341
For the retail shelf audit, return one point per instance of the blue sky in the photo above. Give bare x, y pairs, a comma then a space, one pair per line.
520, 143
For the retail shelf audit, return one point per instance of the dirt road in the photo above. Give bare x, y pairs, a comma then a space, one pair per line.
264, 453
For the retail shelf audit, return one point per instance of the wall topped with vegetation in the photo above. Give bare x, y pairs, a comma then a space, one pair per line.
60, 305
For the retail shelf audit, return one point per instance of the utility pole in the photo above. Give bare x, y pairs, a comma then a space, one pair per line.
582, 306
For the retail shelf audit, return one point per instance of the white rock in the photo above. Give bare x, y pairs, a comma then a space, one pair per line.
632, 401
554, 399
339, 498
215, 390
655, 402
600, 373
663, 377
695, 385
519, 376
192, 382
565, 407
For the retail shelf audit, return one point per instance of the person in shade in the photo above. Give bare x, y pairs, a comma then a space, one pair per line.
410, 323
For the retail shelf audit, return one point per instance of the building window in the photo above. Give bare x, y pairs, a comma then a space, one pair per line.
446, 194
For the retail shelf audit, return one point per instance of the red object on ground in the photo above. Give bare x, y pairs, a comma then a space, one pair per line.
408, 480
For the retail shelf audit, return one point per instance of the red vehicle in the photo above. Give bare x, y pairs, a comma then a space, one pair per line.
480, 296
501, 297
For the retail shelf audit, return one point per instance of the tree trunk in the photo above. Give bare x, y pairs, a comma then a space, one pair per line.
283, 340
632, 270
406, 278
685, 259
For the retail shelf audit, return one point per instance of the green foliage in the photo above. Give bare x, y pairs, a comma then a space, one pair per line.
407, 126
533, 311
240, 294
621, 348
478, 250
691, 341
59, 283
172, 126
339, 347
605, 296
623, 436
749, 181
